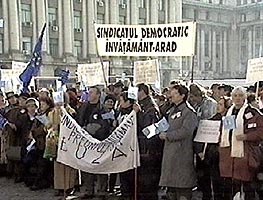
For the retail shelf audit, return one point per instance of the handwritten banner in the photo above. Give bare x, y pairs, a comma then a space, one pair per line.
92, 74
255, 70
117, 153
208, 131
146, 72
146, 40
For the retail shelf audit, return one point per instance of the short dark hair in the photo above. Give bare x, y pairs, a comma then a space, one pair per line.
144, 87
182, 89
227, 101
97, 89
125, 97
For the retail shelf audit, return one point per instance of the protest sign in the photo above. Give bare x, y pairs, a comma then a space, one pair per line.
92, 74
146, 40
58, 97
146, 72
117, 153
208, 131
18, 65
229, 122
254, 70
156, 128
133, 93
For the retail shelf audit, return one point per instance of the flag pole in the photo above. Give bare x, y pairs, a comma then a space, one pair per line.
193, 56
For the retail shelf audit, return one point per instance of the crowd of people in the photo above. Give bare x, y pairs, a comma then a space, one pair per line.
172, 164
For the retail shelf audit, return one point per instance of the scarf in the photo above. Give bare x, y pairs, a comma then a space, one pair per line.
237, 147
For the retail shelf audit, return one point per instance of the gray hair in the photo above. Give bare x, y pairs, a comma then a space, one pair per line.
241, 89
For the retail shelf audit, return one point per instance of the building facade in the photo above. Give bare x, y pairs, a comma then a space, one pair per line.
228, 33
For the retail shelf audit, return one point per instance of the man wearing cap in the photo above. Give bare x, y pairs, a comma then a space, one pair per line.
22, 99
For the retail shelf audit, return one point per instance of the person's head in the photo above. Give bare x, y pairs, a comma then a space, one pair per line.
215, 91
118, 87
239, 96
227, 90
22, 99
2, 100
11, 98
125, 102
109, 102
195, 94
94, 94
143, 91
160, 99
44, 92
179, 94
223, 105
251, 99
32, 105
46, 103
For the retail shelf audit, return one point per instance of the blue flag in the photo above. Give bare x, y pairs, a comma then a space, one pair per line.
63, 76
34, 64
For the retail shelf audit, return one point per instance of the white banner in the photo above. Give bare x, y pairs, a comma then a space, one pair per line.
117, 153
92, 74
146, 40
18, 65
146, 72
254, 70
208, 131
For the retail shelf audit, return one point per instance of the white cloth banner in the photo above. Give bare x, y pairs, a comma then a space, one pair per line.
117, 153
92, 74
208, 131
254, 70
146, 72
146, 40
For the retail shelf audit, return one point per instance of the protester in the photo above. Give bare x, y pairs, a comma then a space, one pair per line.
237, 162
178, 172
11, 97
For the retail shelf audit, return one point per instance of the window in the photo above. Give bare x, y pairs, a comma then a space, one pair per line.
258, 32
52, 16
77, 20
218, 67
238, 2
122, 2
26, 12
257, 50
243, 17
142, 21
218, 45
210, 1
252, 1
100, 19
257, 13
206, 44
243, 52
121, 20
77, 48
184, 13
207, 66
53, 45
141, 3
161, 5
220, 1
27, 45
243, 34
195, 14
1, 43
207, 15
244, 1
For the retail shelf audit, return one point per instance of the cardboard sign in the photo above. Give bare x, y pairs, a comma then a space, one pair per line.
254, 70
229, 122
133, 93
208, 131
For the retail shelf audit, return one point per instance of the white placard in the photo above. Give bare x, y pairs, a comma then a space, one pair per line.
133, 93
92, 74
117, 153
58, 97
18, 65
146, 40
255, 70
208, 131
146, 72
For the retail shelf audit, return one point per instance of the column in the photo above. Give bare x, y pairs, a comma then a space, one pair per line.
128, 12
34, 25
41, 20
147, 7
214, 50
114, 11
154, 12
134, 12
92, 10
172, 8
68, 27
166, 10
60, 30
250, 44
13, 25
6, 26
107, 13
85, 30
198, 50
225, 55
178, 10
202, 50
